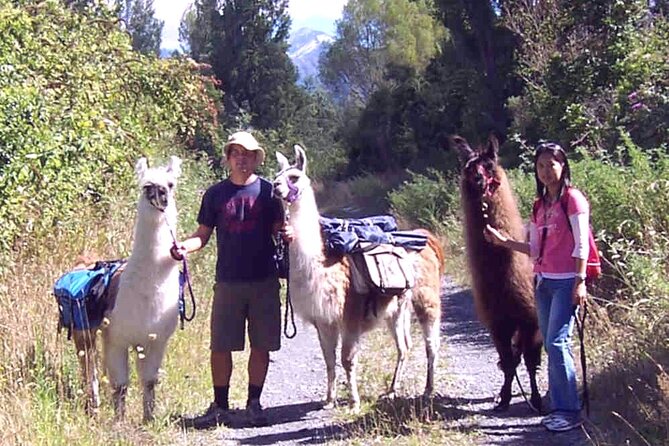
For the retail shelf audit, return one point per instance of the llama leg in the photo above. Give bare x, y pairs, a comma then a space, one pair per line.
84, 341
148, 369
431, 334
532, 346
399, 325
328, 335
429, 317
116, 367
508, 361
349, 352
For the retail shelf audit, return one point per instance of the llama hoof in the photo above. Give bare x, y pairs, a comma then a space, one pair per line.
535, 401
501, 407
329, 404
391, 395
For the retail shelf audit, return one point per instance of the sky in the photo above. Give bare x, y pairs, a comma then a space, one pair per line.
314, 14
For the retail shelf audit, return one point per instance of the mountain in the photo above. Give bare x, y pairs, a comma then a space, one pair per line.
305, 47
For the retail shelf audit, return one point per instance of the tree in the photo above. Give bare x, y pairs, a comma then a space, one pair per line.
196, 31
140, 22
592, 69
246, 43
373, 36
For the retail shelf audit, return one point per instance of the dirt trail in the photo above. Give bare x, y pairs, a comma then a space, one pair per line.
468, 380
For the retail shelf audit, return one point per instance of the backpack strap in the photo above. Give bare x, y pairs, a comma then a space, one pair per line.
564, 202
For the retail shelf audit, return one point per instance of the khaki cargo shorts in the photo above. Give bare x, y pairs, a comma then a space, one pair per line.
234, 304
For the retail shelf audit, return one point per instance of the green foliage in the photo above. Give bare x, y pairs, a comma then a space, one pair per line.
589, 68
431, 201
372, 36
77, 108
630, 209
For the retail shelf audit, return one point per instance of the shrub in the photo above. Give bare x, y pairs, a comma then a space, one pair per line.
77, 108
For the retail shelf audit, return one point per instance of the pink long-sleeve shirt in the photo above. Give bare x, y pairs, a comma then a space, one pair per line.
561, 246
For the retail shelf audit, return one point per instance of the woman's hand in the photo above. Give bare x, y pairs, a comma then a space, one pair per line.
579, 293
493, 236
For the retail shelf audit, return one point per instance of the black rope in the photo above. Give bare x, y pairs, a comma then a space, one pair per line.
284, 261
182, 313
522, 392
580, 327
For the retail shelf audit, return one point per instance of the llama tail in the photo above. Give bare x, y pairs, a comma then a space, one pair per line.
435, 245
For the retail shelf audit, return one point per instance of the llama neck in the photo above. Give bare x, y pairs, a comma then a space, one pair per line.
502, 211
153, 232
307, 248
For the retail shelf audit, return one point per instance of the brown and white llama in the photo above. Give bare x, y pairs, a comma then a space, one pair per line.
143, 299
323, 295
501, 278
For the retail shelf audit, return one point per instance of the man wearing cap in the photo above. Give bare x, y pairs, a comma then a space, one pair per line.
246, 216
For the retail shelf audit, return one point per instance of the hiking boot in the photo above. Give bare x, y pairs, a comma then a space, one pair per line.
255, 414
213, 417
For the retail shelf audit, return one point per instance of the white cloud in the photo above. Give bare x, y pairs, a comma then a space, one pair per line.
301, 11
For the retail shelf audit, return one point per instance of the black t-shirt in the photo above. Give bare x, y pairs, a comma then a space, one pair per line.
243, 217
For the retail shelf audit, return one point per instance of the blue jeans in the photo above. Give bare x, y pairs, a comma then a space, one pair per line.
556, 322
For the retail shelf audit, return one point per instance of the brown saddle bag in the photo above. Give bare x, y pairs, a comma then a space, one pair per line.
382, 269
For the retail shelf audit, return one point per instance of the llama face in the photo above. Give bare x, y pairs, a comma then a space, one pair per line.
479, 167
291, 179
158, 184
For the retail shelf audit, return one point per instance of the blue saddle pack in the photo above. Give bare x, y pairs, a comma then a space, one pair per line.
343, 236
79, 295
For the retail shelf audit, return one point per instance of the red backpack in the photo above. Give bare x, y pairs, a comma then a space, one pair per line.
594, 265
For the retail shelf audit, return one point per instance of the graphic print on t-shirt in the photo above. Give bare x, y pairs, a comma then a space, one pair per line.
241, 214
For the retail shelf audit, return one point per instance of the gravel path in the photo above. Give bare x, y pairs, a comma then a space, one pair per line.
466, 385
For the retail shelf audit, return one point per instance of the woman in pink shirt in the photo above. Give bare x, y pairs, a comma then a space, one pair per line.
558, 245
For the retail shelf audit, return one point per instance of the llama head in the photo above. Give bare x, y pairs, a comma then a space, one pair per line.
479, 167
158, 184
292, 179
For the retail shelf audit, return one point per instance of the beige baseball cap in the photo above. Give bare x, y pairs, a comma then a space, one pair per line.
246, 140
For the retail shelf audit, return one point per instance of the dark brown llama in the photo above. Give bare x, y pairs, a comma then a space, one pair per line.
501, 278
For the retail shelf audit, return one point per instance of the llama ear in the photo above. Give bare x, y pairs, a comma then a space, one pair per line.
141, 167
493, 147
300, 158
174, 166
283, 161
460, 145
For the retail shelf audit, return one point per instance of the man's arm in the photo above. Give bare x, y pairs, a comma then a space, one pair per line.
196, 241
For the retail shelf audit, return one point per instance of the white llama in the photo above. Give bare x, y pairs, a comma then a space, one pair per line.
323, 295
146, 310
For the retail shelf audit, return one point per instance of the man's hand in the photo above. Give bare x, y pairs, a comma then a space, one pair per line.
178, 251
287, 233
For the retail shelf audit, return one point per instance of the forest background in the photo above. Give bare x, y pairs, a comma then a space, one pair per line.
83, 95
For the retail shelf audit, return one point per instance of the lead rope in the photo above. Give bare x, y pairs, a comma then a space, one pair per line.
580, 327
184, 279
284, 253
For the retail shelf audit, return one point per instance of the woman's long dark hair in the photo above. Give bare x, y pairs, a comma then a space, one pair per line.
559, 154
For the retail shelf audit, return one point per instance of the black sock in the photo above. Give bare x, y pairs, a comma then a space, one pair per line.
221, 396
254, 392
